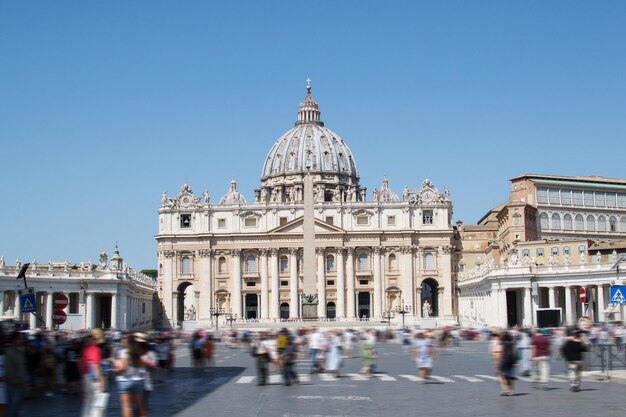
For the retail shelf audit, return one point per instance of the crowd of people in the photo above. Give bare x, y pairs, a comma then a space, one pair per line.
89, 364
94, 364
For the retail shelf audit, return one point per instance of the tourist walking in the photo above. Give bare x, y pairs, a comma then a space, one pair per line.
572, 351
261, 354
333, 354
423, 353
290, 355
508, 361
368, 357
525, 352
541, 357
131, 373
92, 377
15, 374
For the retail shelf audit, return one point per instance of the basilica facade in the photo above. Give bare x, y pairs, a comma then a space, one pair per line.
348, 253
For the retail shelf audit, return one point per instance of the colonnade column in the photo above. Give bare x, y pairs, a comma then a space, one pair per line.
114, 311
350, 284
89, 311
275, 296
294, 308
321, 283
440, 293
600, 302
378, 285
203, 308
528, 308
569, 314
1, 303
341, 293
551, 298
502, 312
17, 309
264, 289
123, 319
50, 309
236, 262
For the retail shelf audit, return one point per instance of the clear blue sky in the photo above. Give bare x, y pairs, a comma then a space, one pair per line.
106, 104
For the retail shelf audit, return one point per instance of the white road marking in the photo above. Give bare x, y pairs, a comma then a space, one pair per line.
385, 378
441, 378
559, 378
341, 397
493, 378
245, 380
525, 379
304, 377
357, 377
467, 378
276, 379
411, 378
327, 377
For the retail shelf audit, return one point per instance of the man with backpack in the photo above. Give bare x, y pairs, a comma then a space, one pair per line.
541, 358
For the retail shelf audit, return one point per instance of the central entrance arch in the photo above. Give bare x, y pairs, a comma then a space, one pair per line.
252, 306
364, 308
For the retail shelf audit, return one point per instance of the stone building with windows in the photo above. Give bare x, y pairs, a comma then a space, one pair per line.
554, 236
349, 253
109, 294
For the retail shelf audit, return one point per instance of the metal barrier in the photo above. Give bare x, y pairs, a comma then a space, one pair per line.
606, 357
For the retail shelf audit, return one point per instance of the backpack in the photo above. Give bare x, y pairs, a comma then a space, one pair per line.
253, 350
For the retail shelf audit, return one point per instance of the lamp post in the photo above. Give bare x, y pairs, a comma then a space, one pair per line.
387, 316
230, 318
217, 312
403, 309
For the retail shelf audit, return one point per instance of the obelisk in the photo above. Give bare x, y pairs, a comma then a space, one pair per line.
309, 284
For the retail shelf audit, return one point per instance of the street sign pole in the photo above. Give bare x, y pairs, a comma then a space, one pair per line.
22, 275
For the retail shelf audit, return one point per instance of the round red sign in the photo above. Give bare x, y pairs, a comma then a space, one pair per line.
60, 301
59, 317
583, 295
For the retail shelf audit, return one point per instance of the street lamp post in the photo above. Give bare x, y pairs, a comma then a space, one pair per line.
403, 309
217, 312
387, 316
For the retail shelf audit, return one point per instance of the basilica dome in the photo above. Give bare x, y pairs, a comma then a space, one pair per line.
309, 146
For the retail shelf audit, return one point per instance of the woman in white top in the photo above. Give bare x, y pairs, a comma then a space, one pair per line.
131, 374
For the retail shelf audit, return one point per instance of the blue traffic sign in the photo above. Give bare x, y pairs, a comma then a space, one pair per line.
617, 294
28, 303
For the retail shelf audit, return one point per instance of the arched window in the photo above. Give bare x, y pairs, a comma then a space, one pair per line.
393, 262
543, 221
221, 265
363, 262
612, 224
284, 264
601, 224
556, 222
567, 222
580, 222
429, 261
330, 263
185, 265
591, 223
251, 264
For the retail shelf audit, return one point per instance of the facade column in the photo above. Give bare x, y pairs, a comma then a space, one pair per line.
236, 262
294, 307
168, 290
440, 297
528, 308
350, 295
444, 268
418, 302
321, 283
600, 303
89, 311
264, 290
275, 296
407, 277
50, 309
114, 308
341, 291
205, 302
535, 303
378, 284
